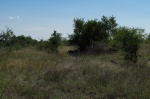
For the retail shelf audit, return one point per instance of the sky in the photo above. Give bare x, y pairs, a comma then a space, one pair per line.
39, 18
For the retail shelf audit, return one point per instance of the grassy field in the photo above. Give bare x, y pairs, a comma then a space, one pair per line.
31, 74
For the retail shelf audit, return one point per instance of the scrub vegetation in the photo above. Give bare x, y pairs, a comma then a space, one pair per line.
100, 60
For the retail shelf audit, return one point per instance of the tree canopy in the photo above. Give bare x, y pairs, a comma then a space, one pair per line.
91, 31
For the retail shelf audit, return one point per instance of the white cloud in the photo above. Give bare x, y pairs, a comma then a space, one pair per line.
18, 17
15, 18
12, 18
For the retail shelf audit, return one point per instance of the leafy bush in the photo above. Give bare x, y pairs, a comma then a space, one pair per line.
43, 45
128, 39
85, 33
52, 44
147, 38
5, 37
23, 41
55, 41
8, 39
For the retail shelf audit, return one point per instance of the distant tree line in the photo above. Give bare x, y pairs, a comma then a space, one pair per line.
8, 39
86, 33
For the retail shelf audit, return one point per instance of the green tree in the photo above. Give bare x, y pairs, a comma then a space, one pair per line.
43, 45
8, 39
24, 41
5, 37
85, 33
55, 41
76, 38
109, 24
128, 39
147, 38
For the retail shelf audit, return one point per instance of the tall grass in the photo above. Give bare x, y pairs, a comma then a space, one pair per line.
31, 74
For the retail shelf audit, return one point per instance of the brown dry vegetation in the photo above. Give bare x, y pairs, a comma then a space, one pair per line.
32, 74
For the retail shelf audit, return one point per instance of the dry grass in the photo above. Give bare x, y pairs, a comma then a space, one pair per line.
32, 74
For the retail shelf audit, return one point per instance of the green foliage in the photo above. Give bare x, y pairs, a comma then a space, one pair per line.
128, 39
5, 37
55, 41
85, 33
147, 39
43, 45
23, 41
109, 24
8, 39
52, 44
75, 39
64, 42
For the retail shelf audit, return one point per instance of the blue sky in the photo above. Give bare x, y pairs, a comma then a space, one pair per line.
39, 18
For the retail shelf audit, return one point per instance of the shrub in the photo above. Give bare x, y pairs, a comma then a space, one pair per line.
5, 37
128, 39
85, 33
52, 44
55, 41
43, 45
8, 39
